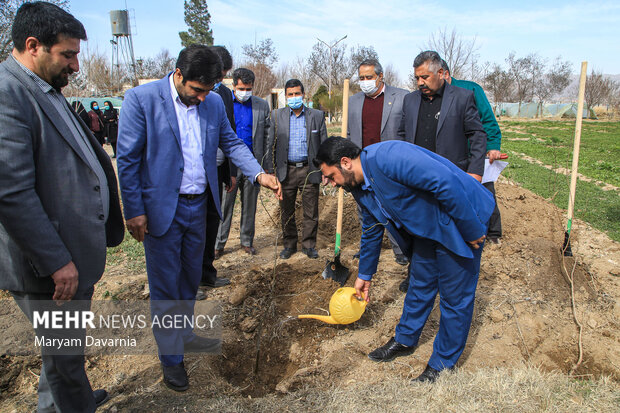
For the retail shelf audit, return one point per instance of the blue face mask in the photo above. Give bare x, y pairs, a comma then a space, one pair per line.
106, 107
217, 85
95, 107
295, 102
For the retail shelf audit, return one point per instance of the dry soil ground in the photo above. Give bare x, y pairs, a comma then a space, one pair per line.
523, 316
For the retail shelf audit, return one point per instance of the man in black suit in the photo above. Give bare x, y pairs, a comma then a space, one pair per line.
227, 174
59, 205
443, 118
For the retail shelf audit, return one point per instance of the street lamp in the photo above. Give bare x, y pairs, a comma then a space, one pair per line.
329, 86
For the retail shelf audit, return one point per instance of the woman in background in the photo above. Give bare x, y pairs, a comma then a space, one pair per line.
110, 119
96, 122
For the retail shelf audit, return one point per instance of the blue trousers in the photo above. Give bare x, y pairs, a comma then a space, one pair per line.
174, 268
435, 269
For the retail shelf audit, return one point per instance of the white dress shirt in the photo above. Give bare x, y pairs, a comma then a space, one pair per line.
194, 179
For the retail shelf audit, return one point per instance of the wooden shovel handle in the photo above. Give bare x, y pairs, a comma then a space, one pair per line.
345, 121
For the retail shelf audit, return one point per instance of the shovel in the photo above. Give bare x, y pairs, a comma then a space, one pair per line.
334, 269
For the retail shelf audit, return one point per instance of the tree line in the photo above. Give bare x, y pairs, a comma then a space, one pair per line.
519, 79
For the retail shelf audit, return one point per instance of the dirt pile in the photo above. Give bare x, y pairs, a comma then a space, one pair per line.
523, 314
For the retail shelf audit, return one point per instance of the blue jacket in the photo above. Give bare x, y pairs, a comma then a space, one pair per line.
150, 160
425, 195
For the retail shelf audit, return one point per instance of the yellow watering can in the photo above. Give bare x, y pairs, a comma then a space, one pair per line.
344, 308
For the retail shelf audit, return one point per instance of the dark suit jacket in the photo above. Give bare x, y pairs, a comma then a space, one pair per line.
460, 135
316, 132
227, 169
260, 128
425, 195
50, 211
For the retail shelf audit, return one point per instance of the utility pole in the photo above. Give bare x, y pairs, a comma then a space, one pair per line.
329, 86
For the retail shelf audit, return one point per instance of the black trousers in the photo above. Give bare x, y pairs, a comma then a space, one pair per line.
209, 273
63, 384
495, 222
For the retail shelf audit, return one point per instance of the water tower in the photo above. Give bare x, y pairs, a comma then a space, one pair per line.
122, 47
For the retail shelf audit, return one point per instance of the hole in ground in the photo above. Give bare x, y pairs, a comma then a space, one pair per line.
286, 343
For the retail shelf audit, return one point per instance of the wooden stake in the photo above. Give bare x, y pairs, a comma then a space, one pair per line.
573, 178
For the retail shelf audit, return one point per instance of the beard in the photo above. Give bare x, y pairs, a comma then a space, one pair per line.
61, 79
349, 180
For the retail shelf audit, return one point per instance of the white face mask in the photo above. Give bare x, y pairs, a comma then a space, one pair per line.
243, 95
369, 86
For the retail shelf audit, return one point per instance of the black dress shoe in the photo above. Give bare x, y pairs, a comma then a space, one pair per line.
494, 240
390, 351
219, 282
401, 259
310, 252
218, 254
286, 253
200, 295
404, 286
428, 375
101, 396
175, 377
203, 345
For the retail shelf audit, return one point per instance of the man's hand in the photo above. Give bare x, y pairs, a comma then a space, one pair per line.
493, 155
362, 289
270, 181
476, 243
137, 227
66, 281
476, 177
232, 186
324, 180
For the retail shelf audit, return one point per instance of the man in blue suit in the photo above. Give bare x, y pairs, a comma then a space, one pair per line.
169, 132
438, 214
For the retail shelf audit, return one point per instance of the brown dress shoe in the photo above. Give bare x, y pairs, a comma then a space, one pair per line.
249, 250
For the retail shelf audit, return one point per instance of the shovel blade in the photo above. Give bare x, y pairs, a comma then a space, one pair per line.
336, 271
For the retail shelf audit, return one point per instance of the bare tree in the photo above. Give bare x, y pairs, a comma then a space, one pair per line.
521, 70
319, 64
390, 76
265, 79
261, 58
460, 54
357, 56
299, 69
156, 67
550, 81
599, 89
499, 83
614, 98
94, 77
263, 52
8, 8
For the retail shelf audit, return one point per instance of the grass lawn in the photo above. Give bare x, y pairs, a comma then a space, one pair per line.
552, 143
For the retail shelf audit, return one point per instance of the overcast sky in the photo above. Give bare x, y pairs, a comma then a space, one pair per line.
397, 29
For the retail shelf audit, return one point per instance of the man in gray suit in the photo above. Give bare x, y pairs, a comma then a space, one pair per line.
374, 116
295, 136
59, 206
252, 126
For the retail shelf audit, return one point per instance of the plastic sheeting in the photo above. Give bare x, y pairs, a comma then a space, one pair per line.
533, 110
